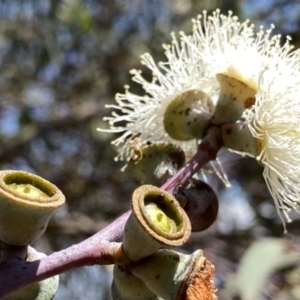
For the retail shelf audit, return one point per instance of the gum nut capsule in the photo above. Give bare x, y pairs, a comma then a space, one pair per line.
26, 204
155, 163
235, 97
200, 204
238, 137
126, 286
188, 115
157, 220
176, 276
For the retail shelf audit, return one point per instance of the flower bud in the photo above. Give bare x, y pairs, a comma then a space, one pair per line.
26, 204
155, 163
238, 137
235, 96
188, 115
172, 275
157, 220
43, 290
200, 203
126, 286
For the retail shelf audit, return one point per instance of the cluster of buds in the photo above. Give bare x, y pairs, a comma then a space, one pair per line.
26, 204
150, 272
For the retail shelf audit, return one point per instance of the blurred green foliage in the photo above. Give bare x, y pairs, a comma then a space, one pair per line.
60, 63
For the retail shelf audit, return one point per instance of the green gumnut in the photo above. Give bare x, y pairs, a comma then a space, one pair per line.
43, 290
238, 137
126, 286
157, 220
169, 274
26, 204
188, 115
155, 163
235, 97
200, 203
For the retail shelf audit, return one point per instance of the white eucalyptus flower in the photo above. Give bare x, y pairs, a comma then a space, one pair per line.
182, 72
272, 70
220, 62
238, 56
140, 119
144, 115
274, 121
235, 49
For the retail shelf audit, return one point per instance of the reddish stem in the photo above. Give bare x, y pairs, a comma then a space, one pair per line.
99, 248
17, 274
207, 151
